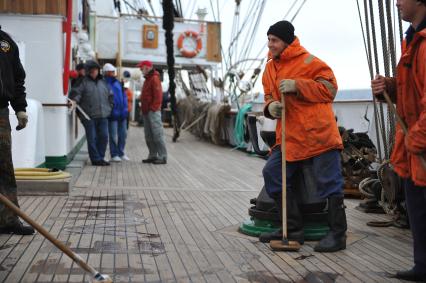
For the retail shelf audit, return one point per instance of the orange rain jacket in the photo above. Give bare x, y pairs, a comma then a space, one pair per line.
408, 91
311, 127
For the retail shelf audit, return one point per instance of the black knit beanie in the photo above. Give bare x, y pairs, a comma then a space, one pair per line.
283, 30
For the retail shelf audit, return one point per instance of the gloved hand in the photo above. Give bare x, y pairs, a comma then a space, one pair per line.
288, 86
22, 120
275, 109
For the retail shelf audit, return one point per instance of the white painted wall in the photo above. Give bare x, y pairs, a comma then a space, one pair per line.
42, 41
28, 144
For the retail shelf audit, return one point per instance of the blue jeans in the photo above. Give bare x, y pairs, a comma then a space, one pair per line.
415, 197
327, 174
97, 137
117, 137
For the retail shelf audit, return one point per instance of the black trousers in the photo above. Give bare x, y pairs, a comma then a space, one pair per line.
416, 206
7, 175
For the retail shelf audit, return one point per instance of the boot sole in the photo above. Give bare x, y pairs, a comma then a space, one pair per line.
325, 250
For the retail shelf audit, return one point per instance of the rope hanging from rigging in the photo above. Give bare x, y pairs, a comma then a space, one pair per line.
168, 25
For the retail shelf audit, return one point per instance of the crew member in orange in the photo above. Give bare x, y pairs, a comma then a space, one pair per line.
408, 91
308, 86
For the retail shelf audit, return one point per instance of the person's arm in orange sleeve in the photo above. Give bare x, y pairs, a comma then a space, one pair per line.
415, 141
321, 88
267, 89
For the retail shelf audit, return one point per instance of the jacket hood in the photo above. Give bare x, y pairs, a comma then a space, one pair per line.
293, 50
92, 64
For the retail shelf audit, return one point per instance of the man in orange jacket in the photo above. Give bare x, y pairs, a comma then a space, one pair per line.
408, 91
308, 86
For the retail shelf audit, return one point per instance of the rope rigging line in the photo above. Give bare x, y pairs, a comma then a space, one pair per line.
387, 198
244, 25
168, 25
152, 8
193, 9
391, 37
251, 40
187, 8
214, 14
377, 69
250, 26
392, 51
233, 31
247, 28
370, 67
387, 64
234, 34
262, 50
218, 11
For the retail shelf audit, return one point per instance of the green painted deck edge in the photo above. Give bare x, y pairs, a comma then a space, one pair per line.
61, 162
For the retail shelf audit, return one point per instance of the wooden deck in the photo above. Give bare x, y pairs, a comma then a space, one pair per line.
178, 223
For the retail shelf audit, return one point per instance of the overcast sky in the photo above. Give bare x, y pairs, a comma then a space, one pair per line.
328, 29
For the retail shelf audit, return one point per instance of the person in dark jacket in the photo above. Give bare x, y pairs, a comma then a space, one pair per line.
12, 90
117, 121
151, 98
96, 99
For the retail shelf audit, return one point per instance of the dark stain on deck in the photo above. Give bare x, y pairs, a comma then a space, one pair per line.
319, 277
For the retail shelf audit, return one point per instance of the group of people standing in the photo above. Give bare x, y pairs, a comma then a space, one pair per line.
103, 104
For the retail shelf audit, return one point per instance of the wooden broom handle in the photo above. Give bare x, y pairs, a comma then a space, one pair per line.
283, 171
401, 123
76, 258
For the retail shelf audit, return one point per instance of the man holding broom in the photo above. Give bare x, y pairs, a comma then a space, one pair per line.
308, 86
12, 90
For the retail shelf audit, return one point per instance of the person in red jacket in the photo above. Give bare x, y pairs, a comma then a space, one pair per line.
408, 91
151, 99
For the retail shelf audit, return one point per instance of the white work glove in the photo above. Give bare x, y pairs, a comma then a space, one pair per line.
275, 109
22, 120
288, 86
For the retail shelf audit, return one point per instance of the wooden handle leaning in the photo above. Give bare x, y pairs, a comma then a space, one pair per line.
283, 171
402, 124
76, 258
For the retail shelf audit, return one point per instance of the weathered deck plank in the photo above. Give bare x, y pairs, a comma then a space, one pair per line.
177, 223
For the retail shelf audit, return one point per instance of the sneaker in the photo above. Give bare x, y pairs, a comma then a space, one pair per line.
104, 163
116, 159
125, 158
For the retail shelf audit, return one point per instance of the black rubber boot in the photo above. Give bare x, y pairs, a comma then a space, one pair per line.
335, 240
18, 229
294, 223
411, 275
